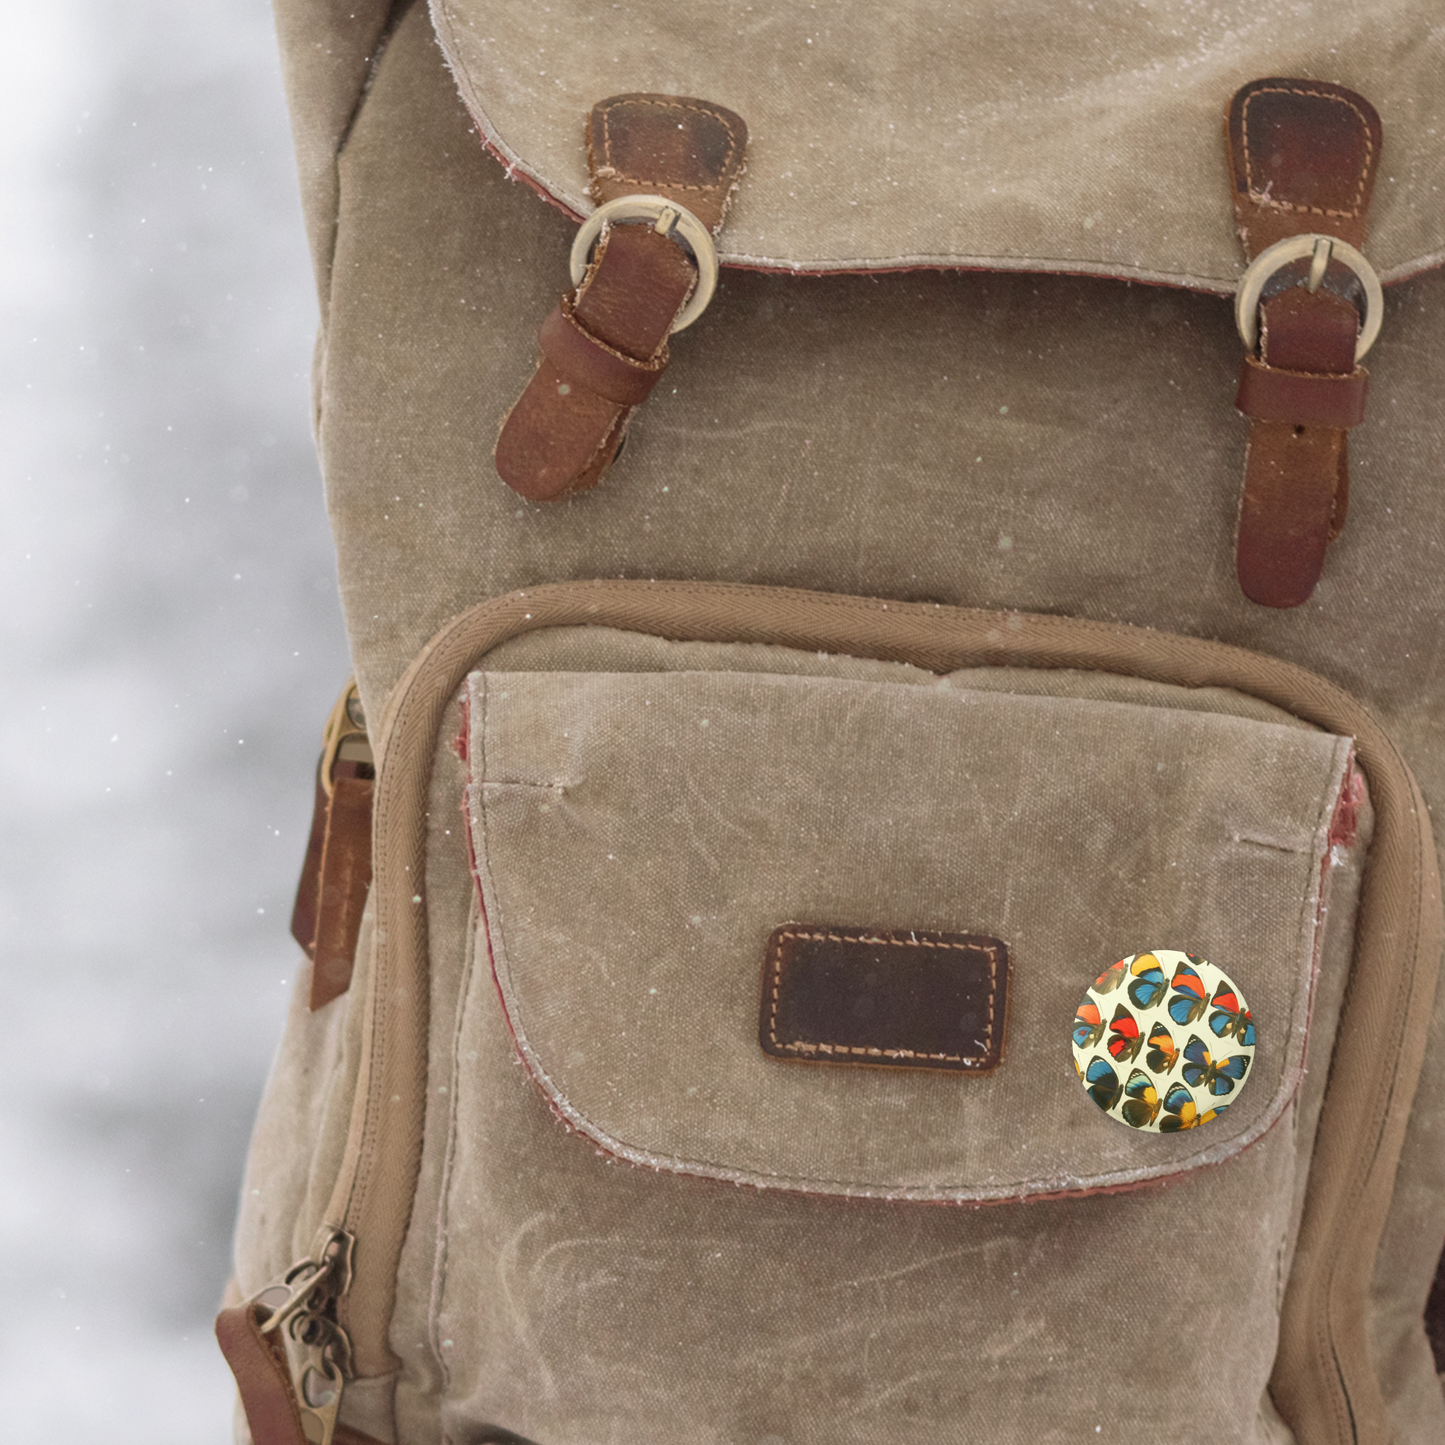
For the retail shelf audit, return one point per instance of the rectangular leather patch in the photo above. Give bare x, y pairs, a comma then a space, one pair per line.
906, 999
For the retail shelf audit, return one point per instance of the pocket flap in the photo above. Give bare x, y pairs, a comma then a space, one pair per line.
1067, 138
640, 837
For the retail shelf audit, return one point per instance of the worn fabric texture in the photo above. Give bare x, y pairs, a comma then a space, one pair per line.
327, 49
987, 133
689, 1271
1042, 443
637, 839
574, 1281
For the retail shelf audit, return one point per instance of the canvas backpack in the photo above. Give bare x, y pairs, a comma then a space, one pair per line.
901, 904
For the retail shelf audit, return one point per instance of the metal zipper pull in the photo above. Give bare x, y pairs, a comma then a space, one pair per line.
300, 1309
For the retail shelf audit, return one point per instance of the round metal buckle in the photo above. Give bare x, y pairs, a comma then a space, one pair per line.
668, 219
1321, 250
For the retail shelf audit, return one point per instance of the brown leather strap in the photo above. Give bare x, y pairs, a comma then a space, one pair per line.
605, 347
331, 896
262, 1379
345, 879
1303, 157
1302, 398
308, 886
577, 353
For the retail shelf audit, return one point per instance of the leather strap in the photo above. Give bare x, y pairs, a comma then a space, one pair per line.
259, 1364
604, 347
335, 878
1303, 156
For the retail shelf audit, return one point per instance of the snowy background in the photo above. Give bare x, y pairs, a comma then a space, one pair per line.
170, 645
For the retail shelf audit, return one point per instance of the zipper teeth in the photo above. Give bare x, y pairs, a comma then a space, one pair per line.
382, 1158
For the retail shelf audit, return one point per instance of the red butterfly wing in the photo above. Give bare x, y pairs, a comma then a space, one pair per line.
1124, 1036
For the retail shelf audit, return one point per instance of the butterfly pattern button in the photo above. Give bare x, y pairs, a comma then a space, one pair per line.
1163, 1041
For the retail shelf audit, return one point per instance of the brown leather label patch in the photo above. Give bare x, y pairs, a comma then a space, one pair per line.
906, 1000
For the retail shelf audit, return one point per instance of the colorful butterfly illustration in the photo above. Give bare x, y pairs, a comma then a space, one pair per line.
1141, 1108
1088, 1025
1162, 1055
1149, 981
1230, 1018
1103, 1084
1125, 1040
1201, 1071
1190, 996
1181, 1112
1112, 977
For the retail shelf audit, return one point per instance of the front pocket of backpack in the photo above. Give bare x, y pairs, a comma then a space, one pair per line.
640, 836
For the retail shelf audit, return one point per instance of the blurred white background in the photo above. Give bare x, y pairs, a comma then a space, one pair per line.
171, 643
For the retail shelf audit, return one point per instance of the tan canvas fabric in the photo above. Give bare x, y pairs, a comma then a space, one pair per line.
327, 47
1044, 443
1033, 137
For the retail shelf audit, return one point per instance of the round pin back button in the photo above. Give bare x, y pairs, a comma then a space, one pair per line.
1163, 1041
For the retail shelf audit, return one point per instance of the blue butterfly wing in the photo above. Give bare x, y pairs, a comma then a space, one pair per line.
1142, 1105
1226, 1072
1196, 1061
1148, 988
1103, 1084
1190, 998
1176, 1101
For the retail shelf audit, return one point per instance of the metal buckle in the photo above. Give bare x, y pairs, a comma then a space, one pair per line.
1321, 250
668, 219
346, 727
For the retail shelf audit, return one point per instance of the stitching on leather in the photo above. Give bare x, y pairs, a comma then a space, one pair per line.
611, 173
854, 936
656, 363
1260, 198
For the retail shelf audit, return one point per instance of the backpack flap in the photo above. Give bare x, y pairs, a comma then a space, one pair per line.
1073, 138
641, 837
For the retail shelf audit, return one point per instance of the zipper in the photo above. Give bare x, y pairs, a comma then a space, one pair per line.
300, 1310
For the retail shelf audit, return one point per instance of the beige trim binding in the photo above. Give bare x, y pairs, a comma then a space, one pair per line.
1323, 1383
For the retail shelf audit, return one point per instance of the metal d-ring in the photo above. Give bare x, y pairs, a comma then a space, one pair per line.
1320, 250
668, 219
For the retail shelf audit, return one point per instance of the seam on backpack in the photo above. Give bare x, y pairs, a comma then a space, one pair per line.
1331, 1353
437, 1296
395, 15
